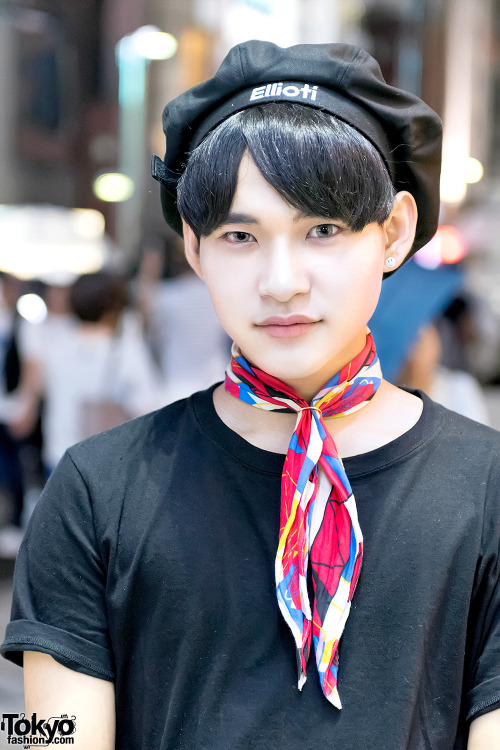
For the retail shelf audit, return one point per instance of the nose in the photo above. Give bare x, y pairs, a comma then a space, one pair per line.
284, 274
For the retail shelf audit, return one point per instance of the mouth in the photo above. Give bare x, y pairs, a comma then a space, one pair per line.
287, 326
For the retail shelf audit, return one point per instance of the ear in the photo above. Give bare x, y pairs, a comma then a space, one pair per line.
400, 227
192, 249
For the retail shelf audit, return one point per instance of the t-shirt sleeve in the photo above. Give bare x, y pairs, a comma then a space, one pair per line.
59, 605
483, 693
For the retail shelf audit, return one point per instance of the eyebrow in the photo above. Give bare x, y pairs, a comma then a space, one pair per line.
237, 218
241, 218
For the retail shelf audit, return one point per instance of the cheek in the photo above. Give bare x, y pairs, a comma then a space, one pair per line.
229, 292
370, 296
367, 278
353, 288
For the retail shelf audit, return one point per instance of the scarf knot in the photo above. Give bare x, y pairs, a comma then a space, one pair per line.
318, 517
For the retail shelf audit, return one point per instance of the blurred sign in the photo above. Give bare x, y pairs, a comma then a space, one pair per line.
44, 241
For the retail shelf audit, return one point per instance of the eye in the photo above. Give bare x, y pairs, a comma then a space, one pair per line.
322, 231
239, 238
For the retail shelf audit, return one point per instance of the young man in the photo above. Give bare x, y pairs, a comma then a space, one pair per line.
186, 572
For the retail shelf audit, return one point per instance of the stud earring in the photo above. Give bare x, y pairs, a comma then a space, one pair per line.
390, 262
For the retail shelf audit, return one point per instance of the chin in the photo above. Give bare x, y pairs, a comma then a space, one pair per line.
287, 371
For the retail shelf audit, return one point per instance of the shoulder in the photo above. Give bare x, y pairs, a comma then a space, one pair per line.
448, 447
461, 427
460, 434
460, 392
134, 442
469, 449
125, 469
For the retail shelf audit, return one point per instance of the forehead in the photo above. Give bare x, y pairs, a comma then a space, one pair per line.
254, 197
251, 182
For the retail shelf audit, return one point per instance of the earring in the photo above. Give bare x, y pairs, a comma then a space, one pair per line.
390, 262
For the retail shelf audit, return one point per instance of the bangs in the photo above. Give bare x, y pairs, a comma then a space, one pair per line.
317, 163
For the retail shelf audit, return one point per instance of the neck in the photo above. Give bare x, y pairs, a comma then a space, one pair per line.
308, 387
96, 329
390, 413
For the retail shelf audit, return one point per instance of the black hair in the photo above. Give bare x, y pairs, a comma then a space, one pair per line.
94, 295
317, 163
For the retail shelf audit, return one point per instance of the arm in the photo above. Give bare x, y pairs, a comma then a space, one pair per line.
52, 690
29, 393
485, 732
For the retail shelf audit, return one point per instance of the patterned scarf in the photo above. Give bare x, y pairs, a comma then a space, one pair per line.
319, 521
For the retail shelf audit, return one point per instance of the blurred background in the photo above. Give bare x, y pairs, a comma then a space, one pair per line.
100, 320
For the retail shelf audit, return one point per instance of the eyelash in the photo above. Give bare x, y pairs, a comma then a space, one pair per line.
333, 227
231, 235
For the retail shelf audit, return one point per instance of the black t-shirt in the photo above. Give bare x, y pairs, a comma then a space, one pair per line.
149, 561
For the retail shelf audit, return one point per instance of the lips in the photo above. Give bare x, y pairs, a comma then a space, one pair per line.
288, 326
287, 320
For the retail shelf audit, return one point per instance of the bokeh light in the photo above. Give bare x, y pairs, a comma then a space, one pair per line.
456, 174
446, 247
32, 308
88, 223
152, 44
113, 187
474, 170
40, 240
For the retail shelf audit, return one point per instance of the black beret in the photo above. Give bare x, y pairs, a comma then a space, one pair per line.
337, 78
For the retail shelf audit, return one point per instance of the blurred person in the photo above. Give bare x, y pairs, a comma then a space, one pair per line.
57, 298
34, 339
183, 331
406, 326
93, 371
457, 331
12, 474
456, 389
11, 488
185, 573
470, 336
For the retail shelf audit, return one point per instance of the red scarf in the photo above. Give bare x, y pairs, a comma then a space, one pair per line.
319, 522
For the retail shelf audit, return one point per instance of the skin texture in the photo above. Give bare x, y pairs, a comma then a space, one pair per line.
270, 260
51, 689
278, 263
281, 263
485, 732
